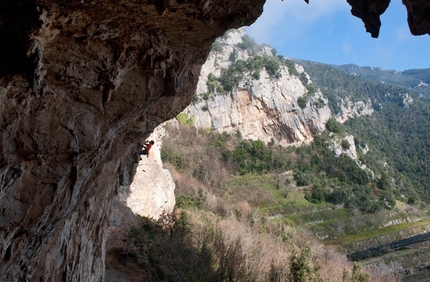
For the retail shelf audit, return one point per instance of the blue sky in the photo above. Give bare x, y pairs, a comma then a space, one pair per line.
325, 31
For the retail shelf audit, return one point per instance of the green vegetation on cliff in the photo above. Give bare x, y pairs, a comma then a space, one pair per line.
397, 133
217, 159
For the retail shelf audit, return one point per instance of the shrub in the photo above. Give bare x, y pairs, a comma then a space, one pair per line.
383, 183
333, 126
195, 98
303, 78
217, 47
271, 66
358, 275
248, 44
232, 57
310, 89
256, 75
317, 196
302, 179
301, 269
182, 118
301, 101
345, 144
291, 67
338, 196
190, 121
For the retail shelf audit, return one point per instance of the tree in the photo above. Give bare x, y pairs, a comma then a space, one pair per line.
333, 126
301, 269
383, 183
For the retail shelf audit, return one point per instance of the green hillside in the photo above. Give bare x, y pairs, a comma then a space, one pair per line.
397, 134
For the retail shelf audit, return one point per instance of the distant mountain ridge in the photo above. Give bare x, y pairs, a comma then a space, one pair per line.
415, 80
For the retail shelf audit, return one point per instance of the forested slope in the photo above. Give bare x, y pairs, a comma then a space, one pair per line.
416, 80
397, 133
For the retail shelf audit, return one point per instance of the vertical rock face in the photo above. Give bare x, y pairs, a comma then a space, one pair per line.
92, 80
152, 191
263, 108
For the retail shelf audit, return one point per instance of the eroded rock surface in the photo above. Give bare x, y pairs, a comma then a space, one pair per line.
260, 108
101, 76
152, 191
82, 83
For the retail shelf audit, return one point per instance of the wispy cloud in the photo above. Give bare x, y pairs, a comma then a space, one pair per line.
403, 34
347, 48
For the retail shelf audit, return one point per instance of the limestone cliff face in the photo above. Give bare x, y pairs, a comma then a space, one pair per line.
82, 83
260, 108
348, 149
152, 190
349, 109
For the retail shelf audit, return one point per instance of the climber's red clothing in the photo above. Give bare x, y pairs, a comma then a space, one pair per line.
147, 146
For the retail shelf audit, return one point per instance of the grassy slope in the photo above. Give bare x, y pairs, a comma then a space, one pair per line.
274, 197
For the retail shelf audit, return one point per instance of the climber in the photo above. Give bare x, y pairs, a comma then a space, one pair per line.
146, 148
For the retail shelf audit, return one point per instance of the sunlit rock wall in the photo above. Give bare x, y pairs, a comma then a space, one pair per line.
265, 108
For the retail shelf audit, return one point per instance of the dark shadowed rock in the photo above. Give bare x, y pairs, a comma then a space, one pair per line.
82, 84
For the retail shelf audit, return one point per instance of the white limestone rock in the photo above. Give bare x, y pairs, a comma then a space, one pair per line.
152, 190
349, 109
263, 108
337, 148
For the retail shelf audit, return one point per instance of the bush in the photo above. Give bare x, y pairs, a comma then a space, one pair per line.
303, 78
232, 57
320, 103
301, 101
383, 183
311, 89
217, 47
345, 144
301, 269
317, 196
333, 126
248, 44
338, 196
302, 179
291, 67
271, 67
182, 118
195, 98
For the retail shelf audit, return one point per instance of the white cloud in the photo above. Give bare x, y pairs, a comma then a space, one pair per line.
346, 47
403, 34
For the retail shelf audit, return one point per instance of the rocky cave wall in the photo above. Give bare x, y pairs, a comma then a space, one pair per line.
99, 77
81, 84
